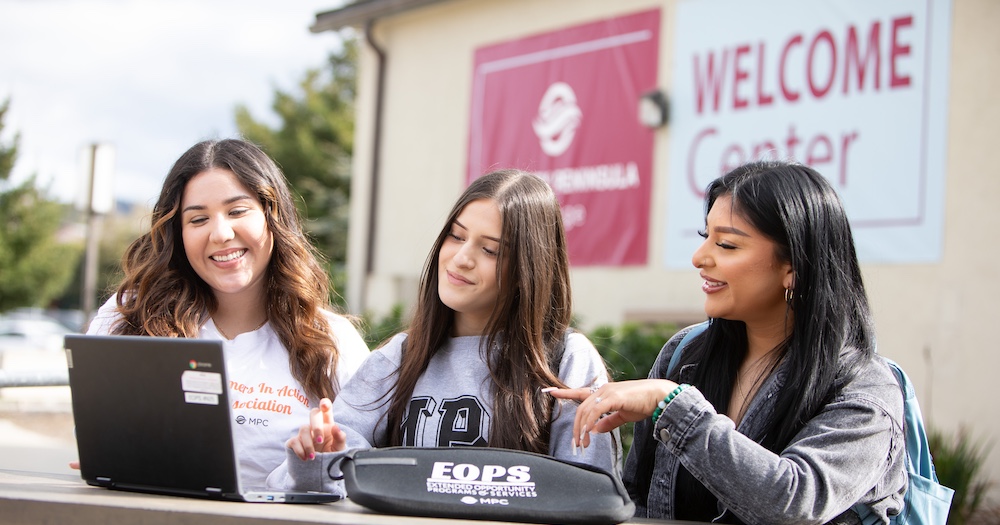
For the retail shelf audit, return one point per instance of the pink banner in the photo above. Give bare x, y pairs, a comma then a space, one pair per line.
564, 105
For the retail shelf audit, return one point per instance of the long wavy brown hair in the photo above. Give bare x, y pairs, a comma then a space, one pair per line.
530, 319
161, 295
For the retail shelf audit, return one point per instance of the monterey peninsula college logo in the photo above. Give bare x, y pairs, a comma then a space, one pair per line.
558, 119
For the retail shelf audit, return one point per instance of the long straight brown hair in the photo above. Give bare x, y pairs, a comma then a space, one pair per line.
161, 295
531, 316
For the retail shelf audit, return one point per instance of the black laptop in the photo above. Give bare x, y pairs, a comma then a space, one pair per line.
152, 415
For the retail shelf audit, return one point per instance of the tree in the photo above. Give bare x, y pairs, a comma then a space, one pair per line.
117, 233
313, 146
34, 266
7, 153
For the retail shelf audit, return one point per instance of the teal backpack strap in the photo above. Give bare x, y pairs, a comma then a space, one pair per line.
926, 502
918, 453
695, 331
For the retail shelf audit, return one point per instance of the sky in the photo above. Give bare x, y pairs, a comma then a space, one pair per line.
149, 78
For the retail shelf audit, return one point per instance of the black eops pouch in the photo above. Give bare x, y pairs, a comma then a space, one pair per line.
484, 484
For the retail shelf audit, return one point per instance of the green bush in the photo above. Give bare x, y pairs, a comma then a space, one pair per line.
629, 352
958, 461
630, 349
375, 333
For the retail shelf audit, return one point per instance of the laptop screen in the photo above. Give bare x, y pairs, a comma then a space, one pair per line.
152, 413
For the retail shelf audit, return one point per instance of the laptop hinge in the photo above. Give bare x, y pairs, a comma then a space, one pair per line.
104, 482
213, 490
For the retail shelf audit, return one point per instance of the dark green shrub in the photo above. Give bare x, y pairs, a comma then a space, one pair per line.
958, 461
629, 352
630, 349
375, 333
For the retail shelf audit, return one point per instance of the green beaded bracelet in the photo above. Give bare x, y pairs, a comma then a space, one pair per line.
663, 404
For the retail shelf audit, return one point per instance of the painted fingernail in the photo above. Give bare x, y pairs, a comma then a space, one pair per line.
548, 389
312, 455
319, 439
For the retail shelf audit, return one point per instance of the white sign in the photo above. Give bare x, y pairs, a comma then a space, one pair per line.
855, 89
97, 169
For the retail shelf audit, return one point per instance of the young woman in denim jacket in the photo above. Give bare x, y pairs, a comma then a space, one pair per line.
780, 412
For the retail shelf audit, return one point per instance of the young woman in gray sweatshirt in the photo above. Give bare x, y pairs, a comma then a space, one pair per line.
490, 331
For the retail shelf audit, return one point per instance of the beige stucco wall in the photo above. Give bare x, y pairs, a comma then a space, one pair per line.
937, 320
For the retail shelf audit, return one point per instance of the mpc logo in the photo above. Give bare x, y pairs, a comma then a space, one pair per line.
558, 119
256, 421
469, 500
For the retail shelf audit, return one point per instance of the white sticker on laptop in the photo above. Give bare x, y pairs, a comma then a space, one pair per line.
206, 382
201, 398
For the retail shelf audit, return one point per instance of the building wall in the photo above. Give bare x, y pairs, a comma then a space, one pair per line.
935, 319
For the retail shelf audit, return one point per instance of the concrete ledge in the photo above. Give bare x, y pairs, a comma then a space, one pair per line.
32, 498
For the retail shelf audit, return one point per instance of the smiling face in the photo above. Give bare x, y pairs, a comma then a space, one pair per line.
225, 234
467, 266
743, 278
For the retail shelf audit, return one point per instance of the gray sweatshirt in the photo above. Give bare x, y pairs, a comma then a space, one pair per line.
451, 405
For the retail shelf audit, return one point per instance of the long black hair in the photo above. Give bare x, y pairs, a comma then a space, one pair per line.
798, 209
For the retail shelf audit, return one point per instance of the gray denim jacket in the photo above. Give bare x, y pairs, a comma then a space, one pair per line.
850, 452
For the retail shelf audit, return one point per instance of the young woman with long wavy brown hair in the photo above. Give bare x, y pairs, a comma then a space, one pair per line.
226, 258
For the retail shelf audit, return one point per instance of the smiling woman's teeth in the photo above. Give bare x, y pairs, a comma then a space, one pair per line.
231, 256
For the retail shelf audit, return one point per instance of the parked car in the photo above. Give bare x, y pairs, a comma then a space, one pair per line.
36, 333
32, 356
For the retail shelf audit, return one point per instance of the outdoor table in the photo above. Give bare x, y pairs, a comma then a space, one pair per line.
41, 497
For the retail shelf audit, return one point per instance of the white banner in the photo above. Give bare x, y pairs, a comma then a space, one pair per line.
856, 89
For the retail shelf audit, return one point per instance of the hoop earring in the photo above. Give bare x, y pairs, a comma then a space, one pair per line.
789, 295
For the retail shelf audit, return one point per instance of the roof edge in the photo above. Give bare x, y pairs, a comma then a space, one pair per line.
362, 12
